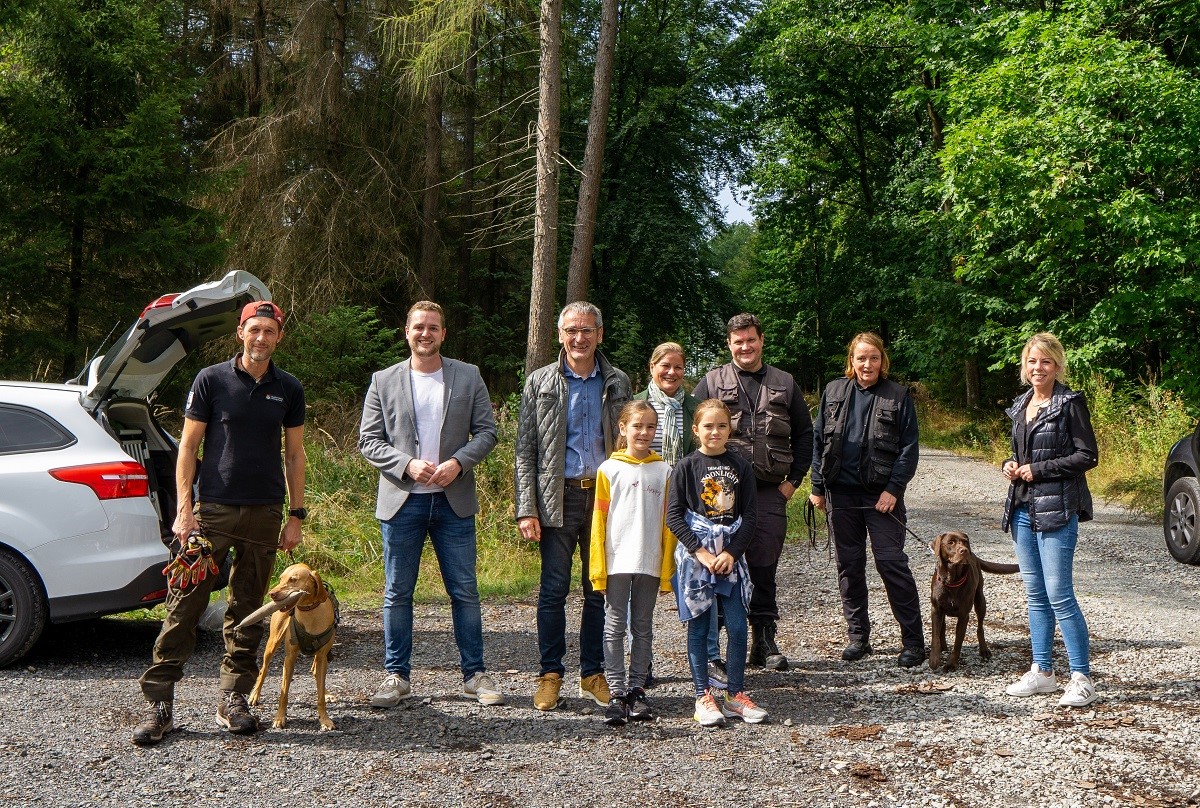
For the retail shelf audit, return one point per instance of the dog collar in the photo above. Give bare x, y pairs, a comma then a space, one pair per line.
954, 585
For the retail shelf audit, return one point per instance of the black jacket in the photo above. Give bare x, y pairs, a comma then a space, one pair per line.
1060, 446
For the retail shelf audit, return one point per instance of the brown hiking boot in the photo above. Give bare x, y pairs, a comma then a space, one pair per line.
156, 722
234, 714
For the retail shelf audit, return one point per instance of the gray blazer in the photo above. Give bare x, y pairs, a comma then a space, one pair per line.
387, 435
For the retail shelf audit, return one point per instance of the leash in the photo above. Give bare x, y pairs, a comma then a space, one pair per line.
810, 520
194, 561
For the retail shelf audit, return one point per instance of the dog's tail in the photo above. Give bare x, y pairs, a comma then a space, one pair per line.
996, 568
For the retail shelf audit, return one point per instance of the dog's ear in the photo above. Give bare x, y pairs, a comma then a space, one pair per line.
936, 545
320, 593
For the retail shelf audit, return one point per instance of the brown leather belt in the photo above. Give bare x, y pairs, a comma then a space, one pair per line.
583, 482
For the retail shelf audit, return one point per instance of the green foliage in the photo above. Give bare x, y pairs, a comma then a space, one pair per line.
335, 352
1075, 197
97, 181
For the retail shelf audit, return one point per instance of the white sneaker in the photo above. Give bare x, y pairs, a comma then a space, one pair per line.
740, 706
1080, 691
482, 687
1032, 683
395, 689
708, 714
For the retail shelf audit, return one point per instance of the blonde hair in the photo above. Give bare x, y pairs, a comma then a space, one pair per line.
664, 348
874, 340
1049, 346
711, 404
627, 413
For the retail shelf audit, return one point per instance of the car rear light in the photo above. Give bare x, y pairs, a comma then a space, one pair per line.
108, 480
163, 302
155, 596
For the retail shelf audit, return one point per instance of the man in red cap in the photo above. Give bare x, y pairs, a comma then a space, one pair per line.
238, 410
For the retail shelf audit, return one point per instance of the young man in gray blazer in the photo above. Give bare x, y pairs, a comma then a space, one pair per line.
426, 423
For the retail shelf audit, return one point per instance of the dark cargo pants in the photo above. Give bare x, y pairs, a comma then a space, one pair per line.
257, 527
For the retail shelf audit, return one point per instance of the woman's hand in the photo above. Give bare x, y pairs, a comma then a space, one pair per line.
1010, 469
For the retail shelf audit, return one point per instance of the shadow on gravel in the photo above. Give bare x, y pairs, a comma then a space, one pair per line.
106, 640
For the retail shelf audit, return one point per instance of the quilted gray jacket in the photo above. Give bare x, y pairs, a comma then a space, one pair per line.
541, 451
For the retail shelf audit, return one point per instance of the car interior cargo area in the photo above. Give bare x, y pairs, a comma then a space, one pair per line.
132, 424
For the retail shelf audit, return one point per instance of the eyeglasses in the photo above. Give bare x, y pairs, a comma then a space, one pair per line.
579, 332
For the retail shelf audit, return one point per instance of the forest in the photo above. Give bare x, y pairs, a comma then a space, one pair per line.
954, 175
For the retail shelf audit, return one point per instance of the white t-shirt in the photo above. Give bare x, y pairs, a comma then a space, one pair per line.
429, 401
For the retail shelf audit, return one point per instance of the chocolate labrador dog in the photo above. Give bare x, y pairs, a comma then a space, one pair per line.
957, 586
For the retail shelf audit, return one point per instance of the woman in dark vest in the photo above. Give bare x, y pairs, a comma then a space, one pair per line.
1053, 445
865, 448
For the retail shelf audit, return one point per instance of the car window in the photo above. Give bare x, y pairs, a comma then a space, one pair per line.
25, 430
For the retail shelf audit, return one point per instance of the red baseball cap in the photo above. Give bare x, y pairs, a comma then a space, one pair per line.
262, 308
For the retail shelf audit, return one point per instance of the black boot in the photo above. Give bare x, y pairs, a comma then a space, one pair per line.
775, 661
758, 649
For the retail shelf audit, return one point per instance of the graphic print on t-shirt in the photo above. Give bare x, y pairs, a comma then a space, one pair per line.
718, 494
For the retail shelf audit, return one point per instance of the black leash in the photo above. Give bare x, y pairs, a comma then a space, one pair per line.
810, 519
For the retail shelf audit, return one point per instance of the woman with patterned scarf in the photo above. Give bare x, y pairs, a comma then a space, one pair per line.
675, 406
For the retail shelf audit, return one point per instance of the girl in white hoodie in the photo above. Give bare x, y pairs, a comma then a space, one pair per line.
631, 558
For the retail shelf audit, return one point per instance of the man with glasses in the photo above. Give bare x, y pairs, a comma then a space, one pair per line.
566, 428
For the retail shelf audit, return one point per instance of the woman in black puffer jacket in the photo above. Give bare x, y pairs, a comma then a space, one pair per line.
1053, 446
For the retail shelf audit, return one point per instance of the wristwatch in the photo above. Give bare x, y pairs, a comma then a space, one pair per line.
299, 513
794, 483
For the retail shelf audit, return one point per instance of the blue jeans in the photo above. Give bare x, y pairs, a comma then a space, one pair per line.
1046, 560
699, 631
453, 539
714, 622
557, 549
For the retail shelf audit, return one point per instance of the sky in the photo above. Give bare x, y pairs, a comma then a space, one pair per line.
735, 211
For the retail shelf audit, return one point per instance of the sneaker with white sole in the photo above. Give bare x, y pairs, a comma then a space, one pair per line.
595, 687
482, 687
1080, 691
1032, 683
708, 714
395, 689
740, 706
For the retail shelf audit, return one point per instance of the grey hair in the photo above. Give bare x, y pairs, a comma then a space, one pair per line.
581, 307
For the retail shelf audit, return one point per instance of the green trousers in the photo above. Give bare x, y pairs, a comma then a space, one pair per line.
251, 532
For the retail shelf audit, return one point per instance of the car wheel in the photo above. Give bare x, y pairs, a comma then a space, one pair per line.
22, 608
1179, 520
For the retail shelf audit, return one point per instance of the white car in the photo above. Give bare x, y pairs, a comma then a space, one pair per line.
87, 475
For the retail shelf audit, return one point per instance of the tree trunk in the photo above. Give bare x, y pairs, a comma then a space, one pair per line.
470, 78
593, 156
431, 196
545, 221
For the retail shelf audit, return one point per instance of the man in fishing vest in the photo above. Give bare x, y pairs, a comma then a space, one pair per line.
773, 430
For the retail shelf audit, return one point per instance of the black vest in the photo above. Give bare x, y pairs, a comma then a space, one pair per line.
1052, 503
883, 432
767, 440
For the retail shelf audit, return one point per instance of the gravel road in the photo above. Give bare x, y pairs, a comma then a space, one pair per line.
860, 734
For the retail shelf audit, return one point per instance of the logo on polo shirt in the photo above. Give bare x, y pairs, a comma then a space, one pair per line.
275, 398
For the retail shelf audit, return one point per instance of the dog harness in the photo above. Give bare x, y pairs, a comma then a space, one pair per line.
311, 643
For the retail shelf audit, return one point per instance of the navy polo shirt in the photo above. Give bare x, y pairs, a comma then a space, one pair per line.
244, 422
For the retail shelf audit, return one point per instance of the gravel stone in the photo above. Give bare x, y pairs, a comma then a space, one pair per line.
840, 734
